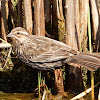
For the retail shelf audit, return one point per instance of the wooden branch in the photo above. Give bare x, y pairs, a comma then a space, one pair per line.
57, 9
4, 17
59, 81
8, 56
5, 45
13, 13
71, 39
83, 23
81, 94
95, 17
47, 9
0, 5
39, 20
58, 26
20, 17
44, 94
28, 15
77, 22
99, 94
84, 93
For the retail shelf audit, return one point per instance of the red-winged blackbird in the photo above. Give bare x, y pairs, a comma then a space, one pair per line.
44, 53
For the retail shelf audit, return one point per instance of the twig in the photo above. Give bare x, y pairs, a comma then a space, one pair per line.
83, 93
5, 45
44, 95
3, 40
7, 57
42, 85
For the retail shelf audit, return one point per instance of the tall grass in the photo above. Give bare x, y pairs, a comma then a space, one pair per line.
90, 48
39, 82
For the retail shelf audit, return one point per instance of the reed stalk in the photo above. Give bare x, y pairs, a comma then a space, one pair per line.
39, 82
90, 48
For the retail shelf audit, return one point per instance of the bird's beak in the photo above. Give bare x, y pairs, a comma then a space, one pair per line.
10, 35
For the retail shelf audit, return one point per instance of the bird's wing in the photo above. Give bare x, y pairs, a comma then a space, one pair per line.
51, 56
52, 50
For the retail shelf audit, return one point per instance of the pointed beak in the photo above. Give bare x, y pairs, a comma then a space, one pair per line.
10, 35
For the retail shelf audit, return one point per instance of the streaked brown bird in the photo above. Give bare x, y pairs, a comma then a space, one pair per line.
45, 54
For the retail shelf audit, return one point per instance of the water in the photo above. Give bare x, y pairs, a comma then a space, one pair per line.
30, 96
16, 96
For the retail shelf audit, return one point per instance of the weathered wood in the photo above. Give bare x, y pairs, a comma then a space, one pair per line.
83, 23
79, 96
4, 18
58, 31
12, 13
0, 5
57, 9
95, 12
28, 15
39, 20
48, 17
59, 82
20, 16
4, 27
95, 17
73, 77
58, 21
47, 10
77, 22
71, 37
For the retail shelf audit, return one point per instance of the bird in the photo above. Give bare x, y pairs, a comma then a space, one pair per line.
44, 53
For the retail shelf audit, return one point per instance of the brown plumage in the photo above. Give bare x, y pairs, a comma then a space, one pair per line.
44, 53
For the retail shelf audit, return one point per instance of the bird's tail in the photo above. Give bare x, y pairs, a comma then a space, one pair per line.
91, 61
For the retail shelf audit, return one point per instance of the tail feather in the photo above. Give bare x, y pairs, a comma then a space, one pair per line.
96, 55
89, 61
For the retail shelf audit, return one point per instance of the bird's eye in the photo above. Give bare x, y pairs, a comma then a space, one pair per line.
18, 33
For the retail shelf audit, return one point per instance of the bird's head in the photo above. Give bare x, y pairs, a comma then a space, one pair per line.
18, 34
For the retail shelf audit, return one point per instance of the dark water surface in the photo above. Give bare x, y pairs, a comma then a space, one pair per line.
30, 96
16, 96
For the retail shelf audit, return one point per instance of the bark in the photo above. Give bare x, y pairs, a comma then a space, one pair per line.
83, 23
58, 31
48, 16
20, 18
39, 20
71, 36
0, 6
28, 16
57, 9
95, 17
4, 18
4, 29
12, 13
47, 10
95, 24
58, 21
59, 82
73, 74
77, 22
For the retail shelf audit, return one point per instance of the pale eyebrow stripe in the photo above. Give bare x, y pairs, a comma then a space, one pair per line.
26, 33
